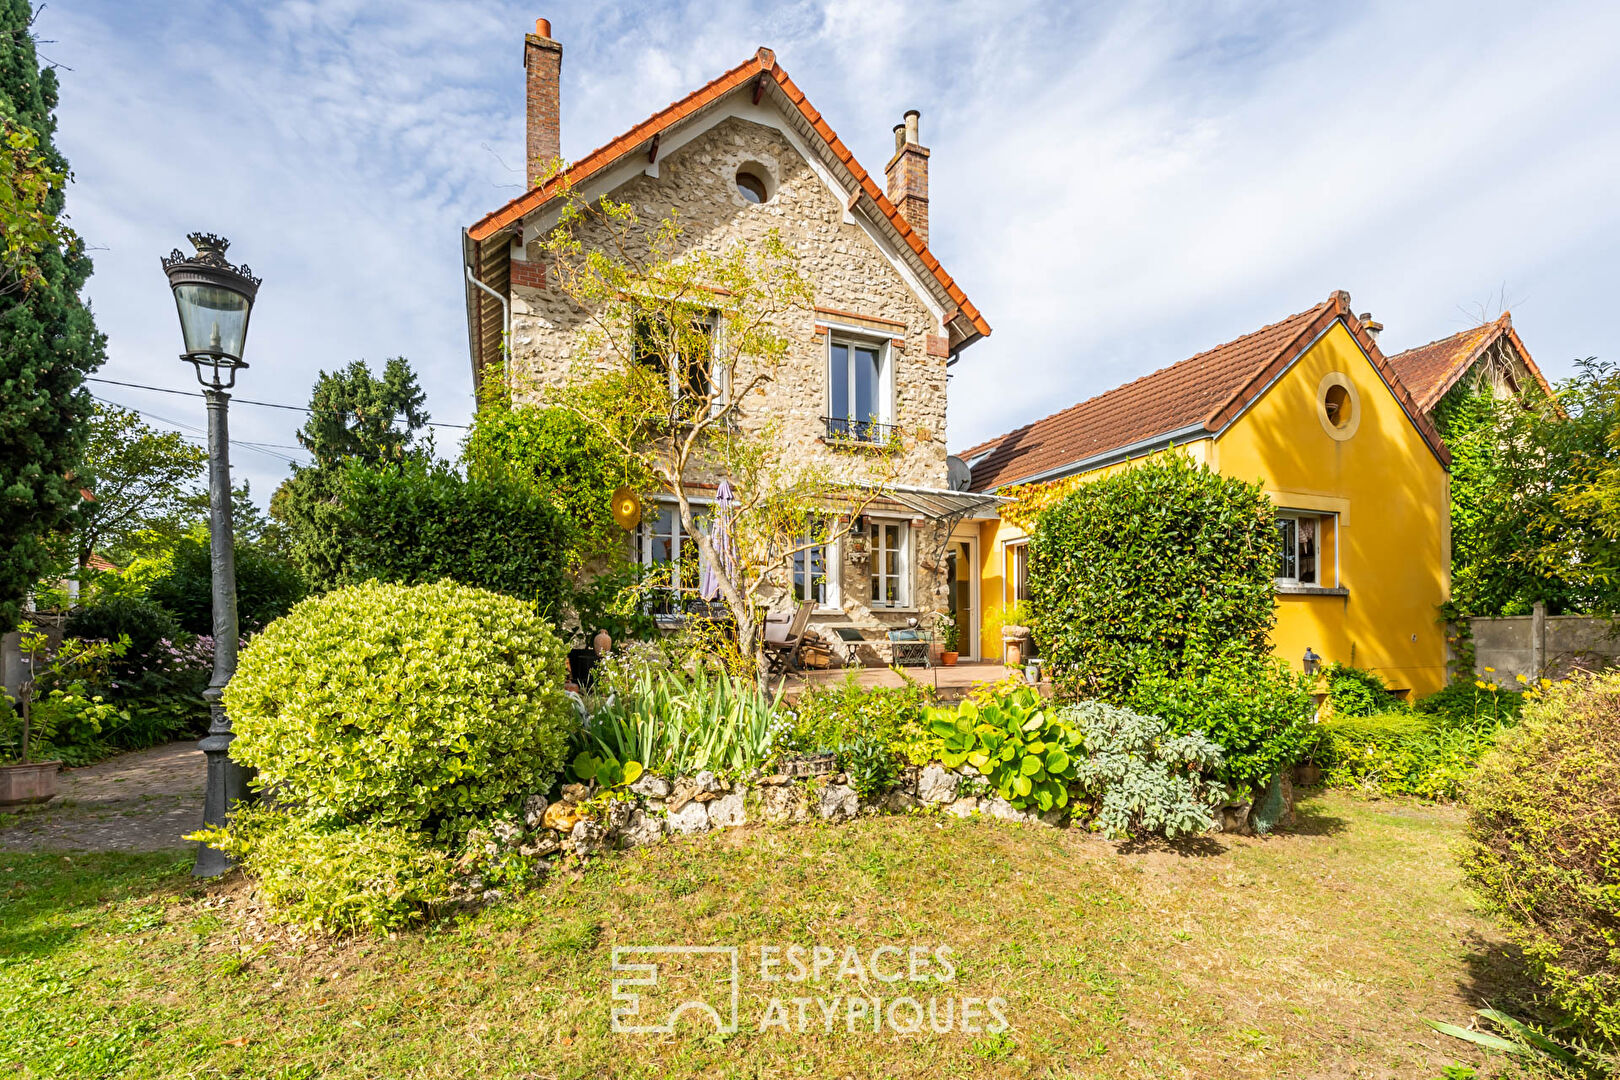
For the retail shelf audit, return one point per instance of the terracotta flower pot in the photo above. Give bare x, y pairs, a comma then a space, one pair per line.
948, 658
35, 782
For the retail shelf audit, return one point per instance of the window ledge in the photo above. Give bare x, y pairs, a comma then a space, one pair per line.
1285, 588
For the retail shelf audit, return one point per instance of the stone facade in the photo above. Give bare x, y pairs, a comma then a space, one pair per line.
858, 295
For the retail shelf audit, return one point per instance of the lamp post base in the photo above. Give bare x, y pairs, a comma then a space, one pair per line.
226, 786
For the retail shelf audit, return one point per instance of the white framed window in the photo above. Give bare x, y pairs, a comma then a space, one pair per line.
813, 574
859, 389
1306, 548
689, 358
662, 544
890, 548
1015, 582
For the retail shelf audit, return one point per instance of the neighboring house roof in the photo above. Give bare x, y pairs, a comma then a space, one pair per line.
1430, 370
1194, 399
766, 76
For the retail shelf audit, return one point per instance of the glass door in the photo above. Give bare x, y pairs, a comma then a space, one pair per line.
960, 569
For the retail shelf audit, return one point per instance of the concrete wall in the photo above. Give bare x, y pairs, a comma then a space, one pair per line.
1571, 643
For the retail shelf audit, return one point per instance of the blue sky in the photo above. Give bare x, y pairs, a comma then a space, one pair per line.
1116, 186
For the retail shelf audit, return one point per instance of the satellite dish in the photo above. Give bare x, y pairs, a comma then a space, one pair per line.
958, 477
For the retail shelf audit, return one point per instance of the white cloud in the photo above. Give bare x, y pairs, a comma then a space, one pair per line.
1117, 187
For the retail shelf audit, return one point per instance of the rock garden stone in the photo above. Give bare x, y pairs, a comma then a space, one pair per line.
837, 802
690, 818
708, 783
774, 780
643, 829
963, 807
783, 803
588, 837
997, 807
649, 786
937, 784
900, 802
544, 844
618, 814
534, 811
727, 811
575, 793
561, 816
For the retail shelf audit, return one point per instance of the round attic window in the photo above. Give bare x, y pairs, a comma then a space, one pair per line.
752, 184
1338, 405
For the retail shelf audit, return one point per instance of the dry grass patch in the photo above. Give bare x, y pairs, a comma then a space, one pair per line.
1312, 955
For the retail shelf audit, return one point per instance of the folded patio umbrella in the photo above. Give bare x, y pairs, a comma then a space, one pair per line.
725, 549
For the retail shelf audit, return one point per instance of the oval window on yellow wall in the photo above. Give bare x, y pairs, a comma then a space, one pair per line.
1338, 405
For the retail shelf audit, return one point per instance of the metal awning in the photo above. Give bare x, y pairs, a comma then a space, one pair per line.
942, 503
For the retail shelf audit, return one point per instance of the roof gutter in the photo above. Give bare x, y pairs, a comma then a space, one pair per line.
1140, 448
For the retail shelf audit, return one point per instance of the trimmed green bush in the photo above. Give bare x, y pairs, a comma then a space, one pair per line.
1255, 709
149, 627
1543, 846
427, 706
343, 879
1149, 570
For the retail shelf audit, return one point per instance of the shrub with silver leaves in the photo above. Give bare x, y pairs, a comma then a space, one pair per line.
1138, 778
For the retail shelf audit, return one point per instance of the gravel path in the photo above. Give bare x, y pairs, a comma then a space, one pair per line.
141, 801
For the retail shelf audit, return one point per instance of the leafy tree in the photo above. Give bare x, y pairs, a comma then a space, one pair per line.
48, 340
675, 340
1535, 488
140, 480
267, 585
356, 415
567, 460
1162, 567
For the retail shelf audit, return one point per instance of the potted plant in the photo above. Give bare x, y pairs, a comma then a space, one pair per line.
1015, 634
949, 638
28, 781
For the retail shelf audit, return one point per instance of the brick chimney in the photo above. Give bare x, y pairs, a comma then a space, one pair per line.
542, 62
1371, 325
908, 175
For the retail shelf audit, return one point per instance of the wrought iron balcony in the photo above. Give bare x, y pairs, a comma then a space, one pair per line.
850, 430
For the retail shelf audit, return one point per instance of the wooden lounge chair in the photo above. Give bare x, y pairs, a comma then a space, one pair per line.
784, 640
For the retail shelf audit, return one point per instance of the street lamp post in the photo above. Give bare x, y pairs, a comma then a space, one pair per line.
214, 300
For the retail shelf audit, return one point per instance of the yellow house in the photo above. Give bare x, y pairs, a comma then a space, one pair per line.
1311, 409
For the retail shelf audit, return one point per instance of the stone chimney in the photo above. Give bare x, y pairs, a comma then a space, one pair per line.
542, 62
908, 175
1371, 325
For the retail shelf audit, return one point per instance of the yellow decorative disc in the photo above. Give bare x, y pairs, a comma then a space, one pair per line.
626, 507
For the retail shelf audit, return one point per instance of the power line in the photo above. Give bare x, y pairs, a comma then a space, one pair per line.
201, 436
239, 401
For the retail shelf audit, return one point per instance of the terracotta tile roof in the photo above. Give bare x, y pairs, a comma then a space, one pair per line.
763, 64
1197, 397
1430, 370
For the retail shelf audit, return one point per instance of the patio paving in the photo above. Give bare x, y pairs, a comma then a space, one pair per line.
951, 683
146, 800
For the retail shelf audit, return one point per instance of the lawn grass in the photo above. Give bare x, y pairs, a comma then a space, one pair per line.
1317, 954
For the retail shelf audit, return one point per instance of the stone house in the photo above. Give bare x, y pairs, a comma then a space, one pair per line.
739, 156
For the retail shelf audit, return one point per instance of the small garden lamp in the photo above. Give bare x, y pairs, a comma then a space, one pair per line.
1312, 662
214, 300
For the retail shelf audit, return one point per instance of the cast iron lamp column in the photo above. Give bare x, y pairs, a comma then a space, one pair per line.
214, 300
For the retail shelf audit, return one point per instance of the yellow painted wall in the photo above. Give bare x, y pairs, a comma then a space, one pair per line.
1393, 501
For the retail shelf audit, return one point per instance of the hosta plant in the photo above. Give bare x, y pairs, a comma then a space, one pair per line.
1025, 751
1138, 777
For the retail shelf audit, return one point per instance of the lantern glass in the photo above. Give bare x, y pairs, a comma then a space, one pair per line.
213, 319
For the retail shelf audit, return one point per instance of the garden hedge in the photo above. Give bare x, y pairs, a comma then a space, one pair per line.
426, 706
1156, 568
1543, 846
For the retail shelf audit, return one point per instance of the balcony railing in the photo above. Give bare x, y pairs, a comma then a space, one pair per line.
848, 429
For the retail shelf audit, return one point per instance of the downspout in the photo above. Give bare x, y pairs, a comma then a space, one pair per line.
506, 320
